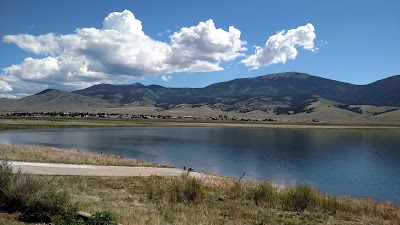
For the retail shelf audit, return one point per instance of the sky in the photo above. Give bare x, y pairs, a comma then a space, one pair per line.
74, 44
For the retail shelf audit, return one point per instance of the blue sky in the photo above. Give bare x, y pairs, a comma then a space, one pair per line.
352, 41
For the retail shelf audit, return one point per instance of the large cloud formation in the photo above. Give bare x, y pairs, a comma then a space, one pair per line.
282, 46
121, 50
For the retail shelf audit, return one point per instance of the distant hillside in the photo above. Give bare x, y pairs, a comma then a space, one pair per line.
283, 89
382, 92
53, 100
280, 94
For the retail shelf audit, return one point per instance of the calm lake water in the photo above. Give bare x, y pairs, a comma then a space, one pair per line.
351, 163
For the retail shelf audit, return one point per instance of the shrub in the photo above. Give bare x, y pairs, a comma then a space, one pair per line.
193, 190
35, 197
70, 217
17, 189
102, 218
186, 190
6, 174
44, 204
237, 191
329, 204
176, 194
298, 198
264, 193
154, 191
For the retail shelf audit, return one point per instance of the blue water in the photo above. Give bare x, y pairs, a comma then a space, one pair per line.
343, 162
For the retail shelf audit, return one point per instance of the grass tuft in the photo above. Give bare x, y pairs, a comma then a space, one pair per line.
264, 194
298, 198
183, 190
189, 190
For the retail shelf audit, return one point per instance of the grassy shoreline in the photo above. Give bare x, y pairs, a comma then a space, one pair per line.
43, 154
10, 123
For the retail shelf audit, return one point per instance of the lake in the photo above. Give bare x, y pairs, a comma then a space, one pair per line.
358, 163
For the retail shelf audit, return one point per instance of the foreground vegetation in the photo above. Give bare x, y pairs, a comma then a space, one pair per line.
179, 200
172, 200
37, 199
184, 200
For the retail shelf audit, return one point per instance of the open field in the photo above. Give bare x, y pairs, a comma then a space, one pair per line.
323, 110
31, 123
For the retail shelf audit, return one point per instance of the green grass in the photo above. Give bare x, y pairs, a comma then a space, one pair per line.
32, 123
13, 123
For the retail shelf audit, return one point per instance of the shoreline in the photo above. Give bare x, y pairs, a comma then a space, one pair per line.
48, 165
16, 123
51, 157
102, 171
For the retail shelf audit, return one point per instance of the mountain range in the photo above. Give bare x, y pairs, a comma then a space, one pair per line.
281, 93
282, 87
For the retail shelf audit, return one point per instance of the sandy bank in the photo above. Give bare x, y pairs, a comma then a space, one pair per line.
92, 170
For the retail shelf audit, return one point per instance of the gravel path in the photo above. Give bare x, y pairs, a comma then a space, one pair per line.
91, 170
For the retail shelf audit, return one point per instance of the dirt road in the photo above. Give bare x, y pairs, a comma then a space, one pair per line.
90, 170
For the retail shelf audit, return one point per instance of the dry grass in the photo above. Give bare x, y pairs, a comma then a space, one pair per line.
152, 200
10, 219
28, 153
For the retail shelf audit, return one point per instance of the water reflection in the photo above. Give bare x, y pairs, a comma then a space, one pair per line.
357, 163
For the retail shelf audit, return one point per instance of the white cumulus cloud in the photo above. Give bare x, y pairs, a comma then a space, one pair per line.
166, 77
282, 46
124, 22
201, 48
44, 44
5, 87
34, 69
118, 51
121, 50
